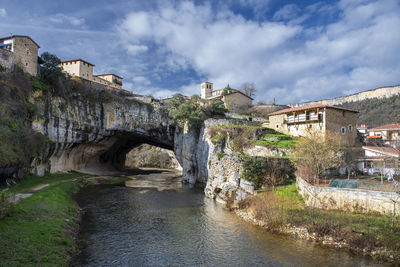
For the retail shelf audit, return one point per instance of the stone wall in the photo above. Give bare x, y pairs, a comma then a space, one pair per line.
383, 92
6, 59
26, 54
354, 200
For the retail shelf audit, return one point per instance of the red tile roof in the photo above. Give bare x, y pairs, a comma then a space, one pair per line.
392, 126
391, 151
289, 110
374, 137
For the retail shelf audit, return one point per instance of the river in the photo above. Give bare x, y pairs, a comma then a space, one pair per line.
155, 221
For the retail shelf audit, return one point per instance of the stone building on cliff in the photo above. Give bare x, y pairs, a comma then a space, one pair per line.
234, 100
83, 69
320, 118
21, 51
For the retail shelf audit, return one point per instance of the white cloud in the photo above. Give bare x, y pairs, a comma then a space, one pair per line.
135, 49
287, 61
287, 12
3, 12
64, 19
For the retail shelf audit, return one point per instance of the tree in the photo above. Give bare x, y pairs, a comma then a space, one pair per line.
315, 154
248, 89
50, 70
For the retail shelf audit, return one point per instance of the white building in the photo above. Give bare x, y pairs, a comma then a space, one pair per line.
379, 160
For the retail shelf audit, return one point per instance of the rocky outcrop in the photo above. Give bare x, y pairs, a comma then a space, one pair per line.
88, 134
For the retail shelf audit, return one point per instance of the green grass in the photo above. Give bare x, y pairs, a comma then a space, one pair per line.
40, 230
31, 181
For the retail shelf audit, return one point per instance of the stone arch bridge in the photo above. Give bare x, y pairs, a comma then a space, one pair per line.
97, 136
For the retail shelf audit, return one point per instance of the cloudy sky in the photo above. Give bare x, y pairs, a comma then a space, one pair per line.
292, 51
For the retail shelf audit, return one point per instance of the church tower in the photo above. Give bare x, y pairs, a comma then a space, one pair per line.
206, 89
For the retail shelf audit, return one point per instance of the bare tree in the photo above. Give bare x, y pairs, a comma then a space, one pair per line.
248, 89
317, 154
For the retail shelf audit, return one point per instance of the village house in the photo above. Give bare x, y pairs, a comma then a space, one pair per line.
21, 51
234, 100
388, 135
320, 118
83, 69
379, 160
363, 129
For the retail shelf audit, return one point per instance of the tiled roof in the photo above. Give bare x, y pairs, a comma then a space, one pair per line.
390, 151
72, 60
392, 126
232, 91
289, 110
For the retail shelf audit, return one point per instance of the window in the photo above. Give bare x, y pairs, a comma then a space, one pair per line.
343, 130
27, 52
343, 113
4, 56
277, 126
26, 64
350, 128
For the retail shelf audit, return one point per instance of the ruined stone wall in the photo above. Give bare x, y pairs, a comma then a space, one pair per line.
354, 200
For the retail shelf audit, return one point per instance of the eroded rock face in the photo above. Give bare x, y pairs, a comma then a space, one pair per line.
92, 136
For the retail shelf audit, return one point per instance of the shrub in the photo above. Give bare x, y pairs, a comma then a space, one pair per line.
2, 68
267, 171
220, 155
343, 183
6, 205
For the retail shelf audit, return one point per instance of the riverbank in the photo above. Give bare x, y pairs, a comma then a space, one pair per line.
41, 228
283, 211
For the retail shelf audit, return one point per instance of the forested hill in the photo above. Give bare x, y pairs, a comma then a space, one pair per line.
375, 112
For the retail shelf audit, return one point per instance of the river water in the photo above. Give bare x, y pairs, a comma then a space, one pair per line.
158, 222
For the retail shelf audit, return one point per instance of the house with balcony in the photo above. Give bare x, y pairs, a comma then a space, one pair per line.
234, 100
388, 135
83, 69
320, 118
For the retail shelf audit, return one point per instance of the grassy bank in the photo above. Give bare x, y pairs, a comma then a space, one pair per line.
283, 210
40, 229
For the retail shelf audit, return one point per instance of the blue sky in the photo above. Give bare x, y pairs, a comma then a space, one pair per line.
292, 51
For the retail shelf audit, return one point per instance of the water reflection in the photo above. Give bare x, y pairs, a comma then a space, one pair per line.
171, 225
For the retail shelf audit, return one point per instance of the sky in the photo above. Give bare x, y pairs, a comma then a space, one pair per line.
293, 51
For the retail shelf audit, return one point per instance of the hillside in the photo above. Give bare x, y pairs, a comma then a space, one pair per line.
375, 112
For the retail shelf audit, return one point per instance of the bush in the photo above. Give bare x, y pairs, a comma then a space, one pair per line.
2, 68
339, 183
194, 110
267, 171
6, 205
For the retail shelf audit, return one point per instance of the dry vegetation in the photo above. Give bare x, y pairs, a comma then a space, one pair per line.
283, 209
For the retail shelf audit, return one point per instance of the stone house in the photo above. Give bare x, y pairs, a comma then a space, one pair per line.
379, 160
234, 100
83, 69
21, 51
388, 134
298, 121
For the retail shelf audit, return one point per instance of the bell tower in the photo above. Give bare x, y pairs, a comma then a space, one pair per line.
206, 89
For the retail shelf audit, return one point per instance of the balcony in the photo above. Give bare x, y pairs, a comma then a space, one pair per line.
302, 118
